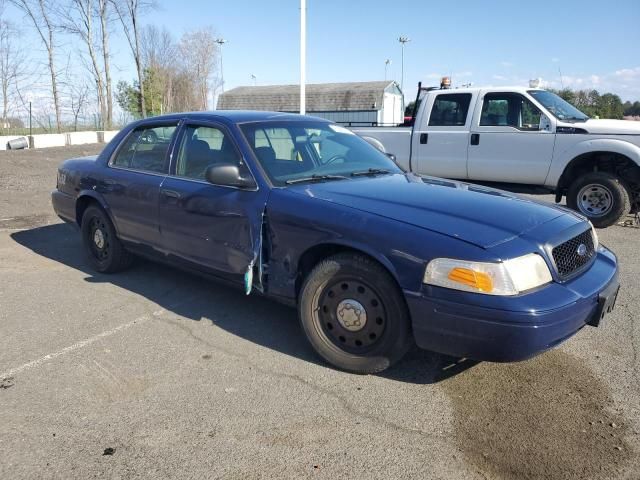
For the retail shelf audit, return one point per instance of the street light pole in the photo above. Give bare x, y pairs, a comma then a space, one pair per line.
303, 56
221, 41
403, 40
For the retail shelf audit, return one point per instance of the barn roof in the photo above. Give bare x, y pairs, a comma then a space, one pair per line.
320, 97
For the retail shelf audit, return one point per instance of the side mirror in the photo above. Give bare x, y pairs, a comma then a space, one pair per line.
545, 123
228, 175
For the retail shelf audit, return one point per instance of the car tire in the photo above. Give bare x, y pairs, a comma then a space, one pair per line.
600, 196
103, 248
354, 314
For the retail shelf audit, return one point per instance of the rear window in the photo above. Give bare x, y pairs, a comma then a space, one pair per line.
450, 110
146, 149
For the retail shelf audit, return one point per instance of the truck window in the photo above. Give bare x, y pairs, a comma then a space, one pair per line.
449, 110
509, 110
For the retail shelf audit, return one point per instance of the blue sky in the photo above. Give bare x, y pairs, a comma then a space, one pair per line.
593, 43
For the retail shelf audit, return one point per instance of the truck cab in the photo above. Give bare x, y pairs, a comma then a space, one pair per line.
524, 136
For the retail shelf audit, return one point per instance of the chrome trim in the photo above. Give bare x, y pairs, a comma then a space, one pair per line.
204, 182
134, 170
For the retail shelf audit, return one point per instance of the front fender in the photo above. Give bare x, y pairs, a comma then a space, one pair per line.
612, 145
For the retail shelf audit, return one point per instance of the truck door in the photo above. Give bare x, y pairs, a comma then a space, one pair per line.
439, 143
507, 143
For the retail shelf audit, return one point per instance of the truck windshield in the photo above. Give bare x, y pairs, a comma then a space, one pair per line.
296, 152
560, 108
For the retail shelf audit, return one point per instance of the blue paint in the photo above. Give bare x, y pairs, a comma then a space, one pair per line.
401, 220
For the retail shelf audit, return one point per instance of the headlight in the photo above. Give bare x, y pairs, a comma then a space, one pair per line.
510, 277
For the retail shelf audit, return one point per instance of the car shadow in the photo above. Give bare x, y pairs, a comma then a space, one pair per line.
252, 318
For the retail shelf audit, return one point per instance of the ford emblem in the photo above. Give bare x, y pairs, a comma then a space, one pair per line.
582, 250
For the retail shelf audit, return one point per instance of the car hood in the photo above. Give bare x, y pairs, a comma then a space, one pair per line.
611, 127
479, 215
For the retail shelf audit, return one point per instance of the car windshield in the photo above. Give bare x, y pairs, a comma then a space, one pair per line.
560, 108
296, 152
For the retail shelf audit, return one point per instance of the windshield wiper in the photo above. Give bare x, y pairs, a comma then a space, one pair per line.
371, 171
316, 178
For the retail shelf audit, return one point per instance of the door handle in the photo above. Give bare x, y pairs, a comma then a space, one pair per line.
169, 193
424, 138
475, 139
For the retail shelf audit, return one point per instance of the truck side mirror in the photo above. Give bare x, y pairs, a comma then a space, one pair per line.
545, 123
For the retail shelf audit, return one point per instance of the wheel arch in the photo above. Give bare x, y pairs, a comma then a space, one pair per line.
86, 198
316, 253
615, 162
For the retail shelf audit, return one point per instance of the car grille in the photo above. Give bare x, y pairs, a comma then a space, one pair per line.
567, 258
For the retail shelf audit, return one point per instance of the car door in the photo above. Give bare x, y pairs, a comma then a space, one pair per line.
131, 189
213, 227
507, 143
439, 145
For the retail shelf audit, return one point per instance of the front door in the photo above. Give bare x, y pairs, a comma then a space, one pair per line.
507, 143
213, 227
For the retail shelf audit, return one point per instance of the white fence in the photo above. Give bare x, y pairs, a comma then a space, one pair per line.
61, 139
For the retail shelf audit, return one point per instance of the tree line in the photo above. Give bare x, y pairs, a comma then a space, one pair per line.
75, 37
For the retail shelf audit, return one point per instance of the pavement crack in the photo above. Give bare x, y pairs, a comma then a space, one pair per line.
344, 403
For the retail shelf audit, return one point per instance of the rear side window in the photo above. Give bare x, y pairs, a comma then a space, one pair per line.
450, 110
145, 149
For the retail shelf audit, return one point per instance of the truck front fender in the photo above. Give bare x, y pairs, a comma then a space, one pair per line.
562, 160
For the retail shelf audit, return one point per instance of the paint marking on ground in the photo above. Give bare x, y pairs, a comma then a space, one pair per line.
78, 345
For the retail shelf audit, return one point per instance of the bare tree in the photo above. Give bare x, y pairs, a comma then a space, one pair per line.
199, 53
12, 65
128, 11
104, 14
78, 16
78, 101
40, 13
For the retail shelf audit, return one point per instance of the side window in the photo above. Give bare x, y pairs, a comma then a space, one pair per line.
201, 147
450, 110
507, 109
146, 149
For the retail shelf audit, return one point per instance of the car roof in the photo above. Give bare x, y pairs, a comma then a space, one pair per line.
239, 116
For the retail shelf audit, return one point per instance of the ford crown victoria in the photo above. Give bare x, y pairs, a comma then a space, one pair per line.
307, 213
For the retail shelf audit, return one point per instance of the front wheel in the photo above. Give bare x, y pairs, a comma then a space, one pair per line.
601, 196
103, 248
354, 315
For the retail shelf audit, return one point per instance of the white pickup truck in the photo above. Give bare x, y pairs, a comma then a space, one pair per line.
525, 136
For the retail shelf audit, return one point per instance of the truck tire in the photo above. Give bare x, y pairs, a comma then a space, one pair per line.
600, 196
103, 248
354, 314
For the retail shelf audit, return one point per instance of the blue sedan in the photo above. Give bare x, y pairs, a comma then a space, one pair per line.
305, 212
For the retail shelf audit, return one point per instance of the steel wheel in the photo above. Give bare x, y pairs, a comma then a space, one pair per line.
595, 200
351, 315
101, 241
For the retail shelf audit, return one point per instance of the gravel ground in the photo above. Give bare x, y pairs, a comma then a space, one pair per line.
156, 373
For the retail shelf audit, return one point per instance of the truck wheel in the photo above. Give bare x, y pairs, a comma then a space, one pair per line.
354, 315
601, 196
105, 252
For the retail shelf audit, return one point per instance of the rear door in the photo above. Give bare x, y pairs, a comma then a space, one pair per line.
439, 143
213, 227
507, 143
131, 189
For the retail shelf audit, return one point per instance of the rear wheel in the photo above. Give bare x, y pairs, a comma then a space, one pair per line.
354, 315
600, 196
104, 251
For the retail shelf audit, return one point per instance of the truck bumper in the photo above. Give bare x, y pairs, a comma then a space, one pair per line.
462, 329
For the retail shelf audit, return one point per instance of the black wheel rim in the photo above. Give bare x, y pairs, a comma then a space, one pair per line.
351, 315
99, 239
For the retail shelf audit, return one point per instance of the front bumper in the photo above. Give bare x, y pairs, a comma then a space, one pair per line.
521, 327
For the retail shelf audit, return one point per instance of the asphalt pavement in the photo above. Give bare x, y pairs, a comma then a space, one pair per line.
155, 373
